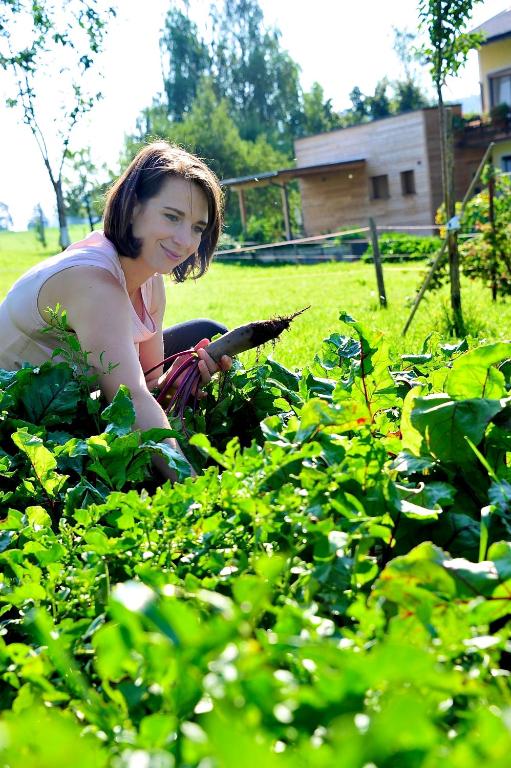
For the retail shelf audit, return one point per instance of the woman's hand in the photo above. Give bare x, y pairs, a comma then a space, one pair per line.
207, 368
207, 365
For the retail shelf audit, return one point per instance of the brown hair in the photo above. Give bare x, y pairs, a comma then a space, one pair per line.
143, 179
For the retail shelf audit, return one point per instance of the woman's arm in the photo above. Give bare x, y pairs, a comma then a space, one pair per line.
151, 352
99, 312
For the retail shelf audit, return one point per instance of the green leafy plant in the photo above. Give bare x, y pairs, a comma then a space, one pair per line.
487, 218
404, 246
335, 580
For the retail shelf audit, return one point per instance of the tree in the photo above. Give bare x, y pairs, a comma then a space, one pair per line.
406, 51
358, 113
408, 94
5, 217
259, 80
185, 60
82, 188
487, 256
38, 223
379, 105
69, 39
407, 97
447, 52
318, 114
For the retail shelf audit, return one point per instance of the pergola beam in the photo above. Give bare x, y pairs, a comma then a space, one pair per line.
243, 210
285, 211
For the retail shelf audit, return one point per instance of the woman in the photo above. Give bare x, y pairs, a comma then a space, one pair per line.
163, 216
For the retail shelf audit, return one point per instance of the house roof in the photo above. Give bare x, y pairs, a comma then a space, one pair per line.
287, 174
497, 27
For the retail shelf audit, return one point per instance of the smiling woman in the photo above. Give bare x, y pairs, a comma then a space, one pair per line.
163, 217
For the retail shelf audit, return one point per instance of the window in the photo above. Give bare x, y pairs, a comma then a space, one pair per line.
408, 182
500, 89
380, 187
506, 163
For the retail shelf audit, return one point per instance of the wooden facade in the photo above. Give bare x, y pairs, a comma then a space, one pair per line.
399, 183
388, 170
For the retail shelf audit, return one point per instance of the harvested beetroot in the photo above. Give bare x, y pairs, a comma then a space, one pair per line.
234, 342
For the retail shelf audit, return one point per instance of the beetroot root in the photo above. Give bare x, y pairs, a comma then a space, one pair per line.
234, 342
250, 336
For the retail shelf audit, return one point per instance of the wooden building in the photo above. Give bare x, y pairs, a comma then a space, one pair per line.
399, 182
387, 169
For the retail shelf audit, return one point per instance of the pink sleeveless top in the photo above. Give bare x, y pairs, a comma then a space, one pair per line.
21, 325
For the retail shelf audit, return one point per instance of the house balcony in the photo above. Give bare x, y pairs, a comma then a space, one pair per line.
480, 131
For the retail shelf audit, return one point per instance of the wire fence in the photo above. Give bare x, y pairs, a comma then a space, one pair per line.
344, 245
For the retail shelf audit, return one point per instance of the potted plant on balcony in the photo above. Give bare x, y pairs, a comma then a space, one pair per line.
499, 116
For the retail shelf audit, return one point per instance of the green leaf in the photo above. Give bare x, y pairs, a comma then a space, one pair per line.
416, 512
42, 460
38, 518
417, 359
120, 458
486, 515
175, 458
409, 464
156, 730
40, 737
444, 423
282, 375
451, 350
412, 437
234, 746
51, 395
474, 375
314, 415
120, 414
201, 442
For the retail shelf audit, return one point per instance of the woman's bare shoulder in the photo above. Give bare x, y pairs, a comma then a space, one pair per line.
81, 287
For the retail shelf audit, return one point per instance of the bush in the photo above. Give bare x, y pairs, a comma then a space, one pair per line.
485, 256
404, 246
265, 229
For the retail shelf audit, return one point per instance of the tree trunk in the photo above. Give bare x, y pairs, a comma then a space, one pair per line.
89, 213
446, 148
40, 226
64, 239
491, 214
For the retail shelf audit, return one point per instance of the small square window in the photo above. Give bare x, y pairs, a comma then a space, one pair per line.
506, 163
380, 187
408, 182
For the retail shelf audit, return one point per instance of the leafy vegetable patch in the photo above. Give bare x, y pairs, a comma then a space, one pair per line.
332, 589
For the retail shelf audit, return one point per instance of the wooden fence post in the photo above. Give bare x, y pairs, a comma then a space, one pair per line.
377, 264
491, 216
243, 210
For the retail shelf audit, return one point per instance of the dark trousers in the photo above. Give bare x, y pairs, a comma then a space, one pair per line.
185, 335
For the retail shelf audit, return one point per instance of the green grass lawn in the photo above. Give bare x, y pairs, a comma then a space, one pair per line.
234, 294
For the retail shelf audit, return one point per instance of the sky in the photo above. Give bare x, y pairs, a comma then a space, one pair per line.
337, 43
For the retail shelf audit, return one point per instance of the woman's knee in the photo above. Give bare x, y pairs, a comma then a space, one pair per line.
185, 335
213, 328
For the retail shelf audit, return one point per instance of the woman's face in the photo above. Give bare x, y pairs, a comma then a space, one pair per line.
171, 224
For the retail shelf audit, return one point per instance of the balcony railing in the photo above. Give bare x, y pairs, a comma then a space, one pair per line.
483, 130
